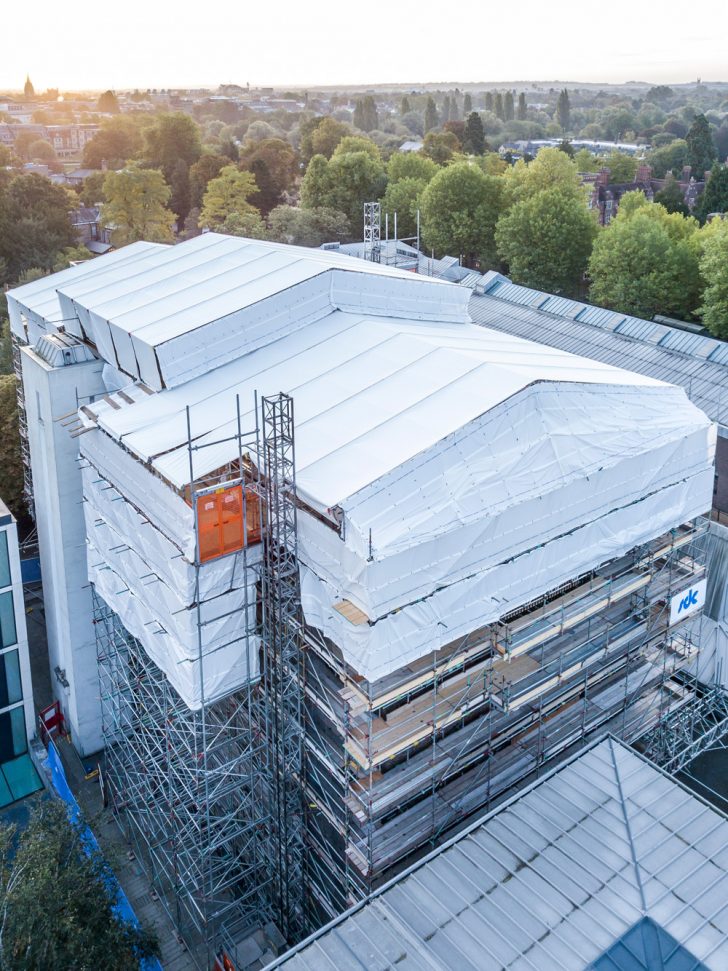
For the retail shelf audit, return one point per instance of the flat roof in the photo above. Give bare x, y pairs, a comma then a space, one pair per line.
601, 850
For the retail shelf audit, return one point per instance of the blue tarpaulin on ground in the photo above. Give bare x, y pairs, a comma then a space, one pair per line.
122, 907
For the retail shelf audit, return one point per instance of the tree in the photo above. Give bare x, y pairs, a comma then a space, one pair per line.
181, 195
170, 138
410, 165
42, 150
308, 227
34, 224
229, 193
208, 167
467, 104
403, 198
440, 146
460, 208
365, 114
356, 143
668, 158
58, 901
563, 110
474, 141
274, 164
646, 261
445, 111
566, 147
546, 240
714, 271
118, 142
136, 200
247, 224
108, 103
508, 109
715, 196
489, 101
622, 168
521, 111
11, 463
550, 169
314, 187
404, 107
431, 117
672, 197
22, 144
351, 180
701, 149
326, 137
498, 106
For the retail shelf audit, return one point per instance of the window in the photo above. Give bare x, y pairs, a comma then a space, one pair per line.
5, 580
8, 634
11, 691
13, 740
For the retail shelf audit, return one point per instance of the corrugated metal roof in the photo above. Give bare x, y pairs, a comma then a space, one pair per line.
638, 345
550, 881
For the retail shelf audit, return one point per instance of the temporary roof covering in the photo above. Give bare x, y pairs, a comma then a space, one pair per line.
181, 312
574, 872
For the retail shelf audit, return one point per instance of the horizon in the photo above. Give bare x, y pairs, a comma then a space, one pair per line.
158, 50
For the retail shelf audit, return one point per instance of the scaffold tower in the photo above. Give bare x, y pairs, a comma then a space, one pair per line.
210, 798
372, 231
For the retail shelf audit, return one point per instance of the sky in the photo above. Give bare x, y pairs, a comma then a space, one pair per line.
159, 43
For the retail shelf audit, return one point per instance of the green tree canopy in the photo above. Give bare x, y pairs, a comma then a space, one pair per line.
460, 208
550, 169
432, 119
365, 114
440, 146
207, 167
715, 196
467, 104
714, 270
563, 110
34, 224
701, 149
327, 136
344, 183
669, 158
672, 197
404, 106
226, 195
308, 227
108, 103
410, 165
546, 239
522, 109
403, 197
57, 901
508, 108
11, 463
119, 141
474, 138
622, 168
170, 138
356, 143
646, 261
274, 163
136, 201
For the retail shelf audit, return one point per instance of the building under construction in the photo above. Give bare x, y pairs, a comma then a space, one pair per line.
352, 568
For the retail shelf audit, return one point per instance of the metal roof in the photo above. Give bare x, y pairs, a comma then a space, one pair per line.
699, 364
551, 881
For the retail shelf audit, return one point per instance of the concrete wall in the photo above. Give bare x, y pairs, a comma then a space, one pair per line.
51, 394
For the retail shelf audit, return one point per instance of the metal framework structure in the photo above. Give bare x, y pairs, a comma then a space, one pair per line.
684, 734
372, 231
393, 766
23, 427
211, 798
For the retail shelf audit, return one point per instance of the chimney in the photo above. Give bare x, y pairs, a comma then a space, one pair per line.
686, 170
643, 174
603, 176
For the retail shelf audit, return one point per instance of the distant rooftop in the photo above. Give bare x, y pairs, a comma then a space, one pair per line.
606, 863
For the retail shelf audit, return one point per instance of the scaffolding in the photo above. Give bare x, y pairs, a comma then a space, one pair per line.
394, 765
372, 231
211, 798
692, 729
16, 344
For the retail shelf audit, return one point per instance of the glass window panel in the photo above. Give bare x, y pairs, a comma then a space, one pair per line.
17, 721
8, 634
4, 561
11, 664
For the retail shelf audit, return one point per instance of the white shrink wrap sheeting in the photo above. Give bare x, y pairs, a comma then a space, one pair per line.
454, 610
147, 581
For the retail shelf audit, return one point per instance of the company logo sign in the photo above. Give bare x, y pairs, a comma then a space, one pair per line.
688, 601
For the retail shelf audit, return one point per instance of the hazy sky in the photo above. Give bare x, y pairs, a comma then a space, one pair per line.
158, 43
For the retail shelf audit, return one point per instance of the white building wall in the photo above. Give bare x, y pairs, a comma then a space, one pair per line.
52, 394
